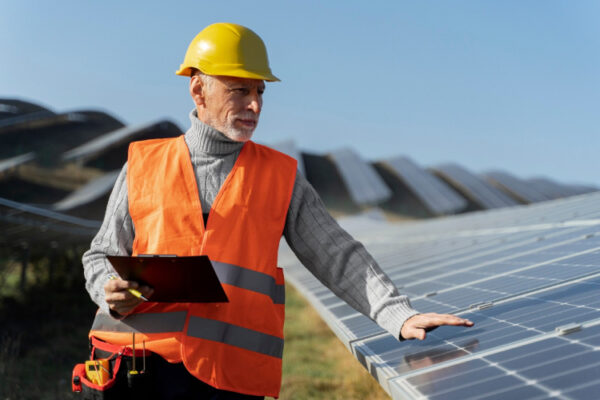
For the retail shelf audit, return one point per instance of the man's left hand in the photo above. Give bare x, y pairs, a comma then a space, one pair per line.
417, 326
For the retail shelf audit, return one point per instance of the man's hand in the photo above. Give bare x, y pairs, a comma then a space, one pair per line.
417, 326
118, 297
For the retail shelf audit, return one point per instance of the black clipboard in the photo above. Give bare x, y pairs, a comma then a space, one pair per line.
174, 279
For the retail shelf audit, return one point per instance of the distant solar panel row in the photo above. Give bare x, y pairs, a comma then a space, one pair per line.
361, 179
438, 197
474, 187
516, 187
528, 276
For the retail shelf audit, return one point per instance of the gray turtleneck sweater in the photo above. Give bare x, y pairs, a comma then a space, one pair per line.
318, 241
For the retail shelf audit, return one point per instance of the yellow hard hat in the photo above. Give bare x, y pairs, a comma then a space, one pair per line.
228, 49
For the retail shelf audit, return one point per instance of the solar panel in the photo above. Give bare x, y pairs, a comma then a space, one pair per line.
93, 190
116, 137
528, 276
10, 108
549, 188
474, 187
10, 163
24, 224
437, 196
364, 184
289, 147
517, 188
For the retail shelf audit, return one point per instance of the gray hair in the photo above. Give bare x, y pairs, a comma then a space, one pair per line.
207, 80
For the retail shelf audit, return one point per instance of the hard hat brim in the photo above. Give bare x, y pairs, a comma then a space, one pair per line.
233, 71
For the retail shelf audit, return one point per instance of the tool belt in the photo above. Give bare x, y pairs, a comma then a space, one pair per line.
110, 372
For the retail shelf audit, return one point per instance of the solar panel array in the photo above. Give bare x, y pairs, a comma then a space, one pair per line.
436, 195
474, 187
528, 276
364, 184
518, 188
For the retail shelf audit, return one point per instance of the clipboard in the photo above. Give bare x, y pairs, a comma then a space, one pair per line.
174, 279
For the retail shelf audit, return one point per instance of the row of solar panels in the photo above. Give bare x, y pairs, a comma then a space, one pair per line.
69, 162
94, 139
444, 189
528, 276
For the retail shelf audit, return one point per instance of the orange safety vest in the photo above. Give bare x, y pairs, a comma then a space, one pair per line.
235, 346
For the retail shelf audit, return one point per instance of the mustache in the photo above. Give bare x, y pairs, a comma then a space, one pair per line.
248, 115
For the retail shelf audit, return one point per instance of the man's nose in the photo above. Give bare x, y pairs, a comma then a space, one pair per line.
255, 103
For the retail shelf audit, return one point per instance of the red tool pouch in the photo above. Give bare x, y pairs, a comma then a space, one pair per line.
117, 386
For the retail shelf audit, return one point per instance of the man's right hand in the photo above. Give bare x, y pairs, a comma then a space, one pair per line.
118, 297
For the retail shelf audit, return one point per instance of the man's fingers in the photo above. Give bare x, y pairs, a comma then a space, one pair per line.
417, 325
120, 299
120, 284
432, 320
413, 333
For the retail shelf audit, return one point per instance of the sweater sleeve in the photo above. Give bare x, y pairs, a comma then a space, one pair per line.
115, 237
340, 262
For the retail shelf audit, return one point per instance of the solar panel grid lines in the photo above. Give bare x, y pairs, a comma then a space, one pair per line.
533, 361
447, 361
364, 184
476, 258
433, 259
491, 292
515, 258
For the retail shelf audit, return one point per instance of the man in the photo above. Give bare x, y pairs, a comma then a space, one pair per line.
215, 192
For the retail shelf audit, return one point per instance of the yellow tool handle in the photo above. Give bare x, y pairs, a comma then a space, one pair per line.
96, 371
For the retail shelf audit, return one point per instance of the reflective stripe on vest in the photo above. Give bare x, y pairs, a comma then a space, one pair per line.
233, 335
144, 323
201, 328
250, 280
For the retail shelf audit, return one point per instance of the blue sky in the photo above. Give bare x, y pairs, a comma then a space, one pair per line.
511, 85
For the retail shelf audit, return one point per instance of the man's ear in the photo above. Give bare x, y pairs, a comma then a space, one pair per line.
197, 90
